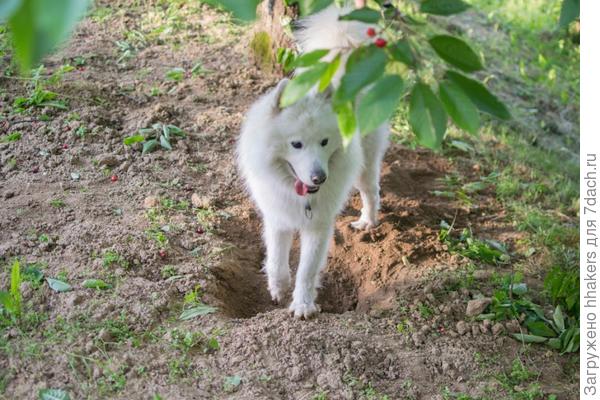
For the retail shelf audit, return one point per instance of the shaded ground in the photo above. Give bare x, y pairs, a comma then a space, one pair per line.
392, 297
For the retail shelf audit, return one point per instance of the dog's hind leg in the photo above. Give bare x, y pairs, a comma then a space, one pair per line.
313, 255
374, 147
279, 243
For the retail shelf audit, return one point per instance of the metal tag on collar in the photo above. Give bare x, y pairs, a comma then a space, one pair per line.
308, 210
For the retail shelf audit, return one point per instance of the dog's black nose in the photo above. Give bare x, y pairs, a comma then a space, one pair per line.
318, 177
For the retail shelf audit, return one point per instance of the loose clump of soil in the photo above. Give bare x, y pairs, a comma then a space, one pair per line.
141, 233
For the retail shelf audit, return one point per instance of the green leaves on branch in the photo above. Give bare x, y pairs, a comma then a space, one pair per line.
456, 52
308, 7
364, 66
365, 96
443, 7
39, 26
301, 84
461, 109
426, 116
569, 12
307, 59
379, 103
367, 15
242, 10
479, 95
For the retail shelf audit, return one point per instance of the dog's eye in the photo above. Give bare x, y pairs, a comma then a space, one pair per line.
297, 145
324, 142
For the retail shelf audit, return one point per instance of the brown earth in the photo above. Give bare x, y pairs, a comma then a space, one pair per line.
374, 280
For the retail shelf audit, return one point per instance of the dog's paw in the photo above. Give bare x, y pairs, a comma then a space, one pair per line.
278, 290
304, 310
363, 225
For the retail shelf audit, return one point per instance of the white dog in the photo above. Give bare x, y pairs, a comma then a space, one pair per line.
300, 175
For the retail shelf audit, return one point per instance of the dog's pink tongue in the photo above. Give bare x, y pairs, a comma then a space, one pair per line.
300, 187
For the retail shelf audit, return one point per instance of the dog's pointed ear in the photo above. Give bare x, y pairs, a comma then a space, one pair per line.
278, 91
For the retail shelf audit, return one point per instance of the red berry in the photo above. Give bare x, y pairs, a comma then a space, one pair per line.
114, 178
380, 42
65, 146
199, 230
162, 253
371, 32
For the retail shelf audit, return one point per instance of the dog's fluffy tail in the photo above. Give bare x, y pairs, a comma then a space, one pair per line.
324, 30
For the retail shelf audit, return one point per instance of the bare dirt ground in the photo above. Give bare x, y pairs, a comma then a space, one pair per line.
392, 298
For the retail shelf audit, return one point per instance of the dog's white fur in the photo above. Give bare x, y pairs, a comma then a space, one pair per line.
270, 165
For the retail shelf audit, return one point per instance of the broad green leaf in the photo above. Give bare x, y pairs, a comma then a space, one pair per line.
458, 105
443, 7
463, 146
519, 288
174, 130
329, 73
39, 26
149, 146
7, 301
529, 338
401, 51
573, 344
301, 84
308, 7
569, 12
164, 142
308, 59
379, 103
539, 328
456, 52
7, 8
346, 121
242, 10
559, 319
364, 66
53, 394
128, 141
33, 274
96, 284
555, 343
58, 285
285, 57
367, 15
479, 95
426, 116
166, 132
193, 312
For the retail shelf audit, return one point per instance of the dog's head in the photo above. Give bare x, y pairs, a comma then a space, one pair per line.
306, 137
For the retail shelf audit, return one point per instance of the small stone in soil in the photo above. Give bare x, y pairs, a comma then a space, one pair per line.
461, 327
497, 329
477, 306
150, 202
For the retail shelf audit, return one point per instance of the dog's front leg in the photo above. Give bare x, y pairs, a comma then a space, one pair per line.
279, 243
313, 255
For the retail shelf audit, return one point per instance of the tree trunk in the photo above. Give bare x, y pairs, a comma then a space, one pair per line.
272, 31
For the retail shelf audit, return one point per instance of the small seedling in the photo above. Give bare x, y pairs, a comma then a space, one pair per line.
11, 300
488, 251
168, 271
13, 137
175, 74
57, 203
111, 257
160, 135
